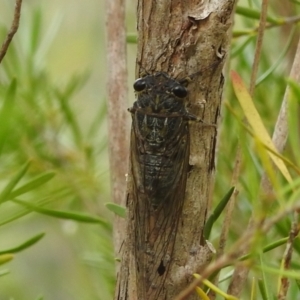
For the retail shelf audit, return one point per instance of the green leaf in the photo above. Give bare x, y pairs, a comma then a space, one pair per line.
245, 32
298, 284
34, 183
36, 28
24, 245
216, 213
262, 289
13, 182
5, 258
279, 60
10, 215
6, 112
286, 273
237, 50
254, 14
117, 209
268, 248
131, 38
80, 217
70, 117
264, 283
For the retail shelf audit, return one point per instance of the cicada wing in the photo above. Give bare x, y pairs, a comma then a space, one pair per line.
155, 227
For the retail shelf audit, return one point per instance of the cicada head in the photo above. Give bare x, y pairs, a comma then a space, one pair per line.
160, 94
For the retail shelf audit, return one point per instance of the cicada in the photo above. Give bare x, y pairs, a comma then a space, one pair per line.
160, 144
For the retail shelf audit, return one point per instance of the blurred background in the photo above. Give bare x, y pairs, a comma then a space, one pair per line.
53, 113
58, 121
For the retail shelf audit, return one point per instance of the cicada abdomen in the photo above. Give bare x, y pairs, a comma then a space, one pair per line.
159, 162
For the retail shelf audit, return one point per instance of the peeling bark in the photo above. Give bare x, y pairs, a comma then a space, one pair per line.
182, 38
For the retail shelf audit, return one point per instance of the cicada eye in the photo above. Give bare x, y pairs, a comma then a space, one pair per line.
179, 91
139, 85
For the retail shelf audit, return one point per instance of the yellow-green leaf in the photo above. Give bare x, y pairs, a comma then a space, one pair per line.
256, 123
5, 258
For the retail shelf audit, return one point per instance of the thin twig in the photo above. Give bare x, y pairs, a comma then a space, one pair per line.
13, 29
260, 36
281, 128
117, 108
287, 257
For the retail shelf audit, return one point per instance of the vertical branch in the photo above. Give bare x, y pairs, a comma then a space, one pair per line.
259, 42
279, 139
281, 128
287, 257
181, 38
117, 103
13, 29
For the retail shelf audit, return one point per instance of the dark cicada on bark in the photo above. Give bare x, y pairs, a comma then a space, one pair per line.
159, 162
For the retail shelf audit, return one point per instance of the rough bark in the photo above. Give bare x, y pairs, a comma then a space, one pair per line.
182, 38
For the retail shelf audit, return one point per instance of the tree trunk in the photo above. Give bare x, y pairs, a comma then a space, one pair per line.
180, 38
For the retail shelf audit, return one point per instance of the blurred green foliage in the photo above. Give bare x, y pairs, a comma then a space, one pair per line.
53, 164
53, 149
279, 46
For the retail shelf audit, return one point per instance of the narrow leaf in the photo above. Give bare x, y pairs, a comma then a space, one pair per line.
286, 273
253, 289
216, 213
131, 38
5, 258
13, 182
117, 209
279, 60
264, 278
24, 245
268, 248
201, 294
33, 184
262, 290
6, 112
256, 122
80, 217
20, 211
215, 288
